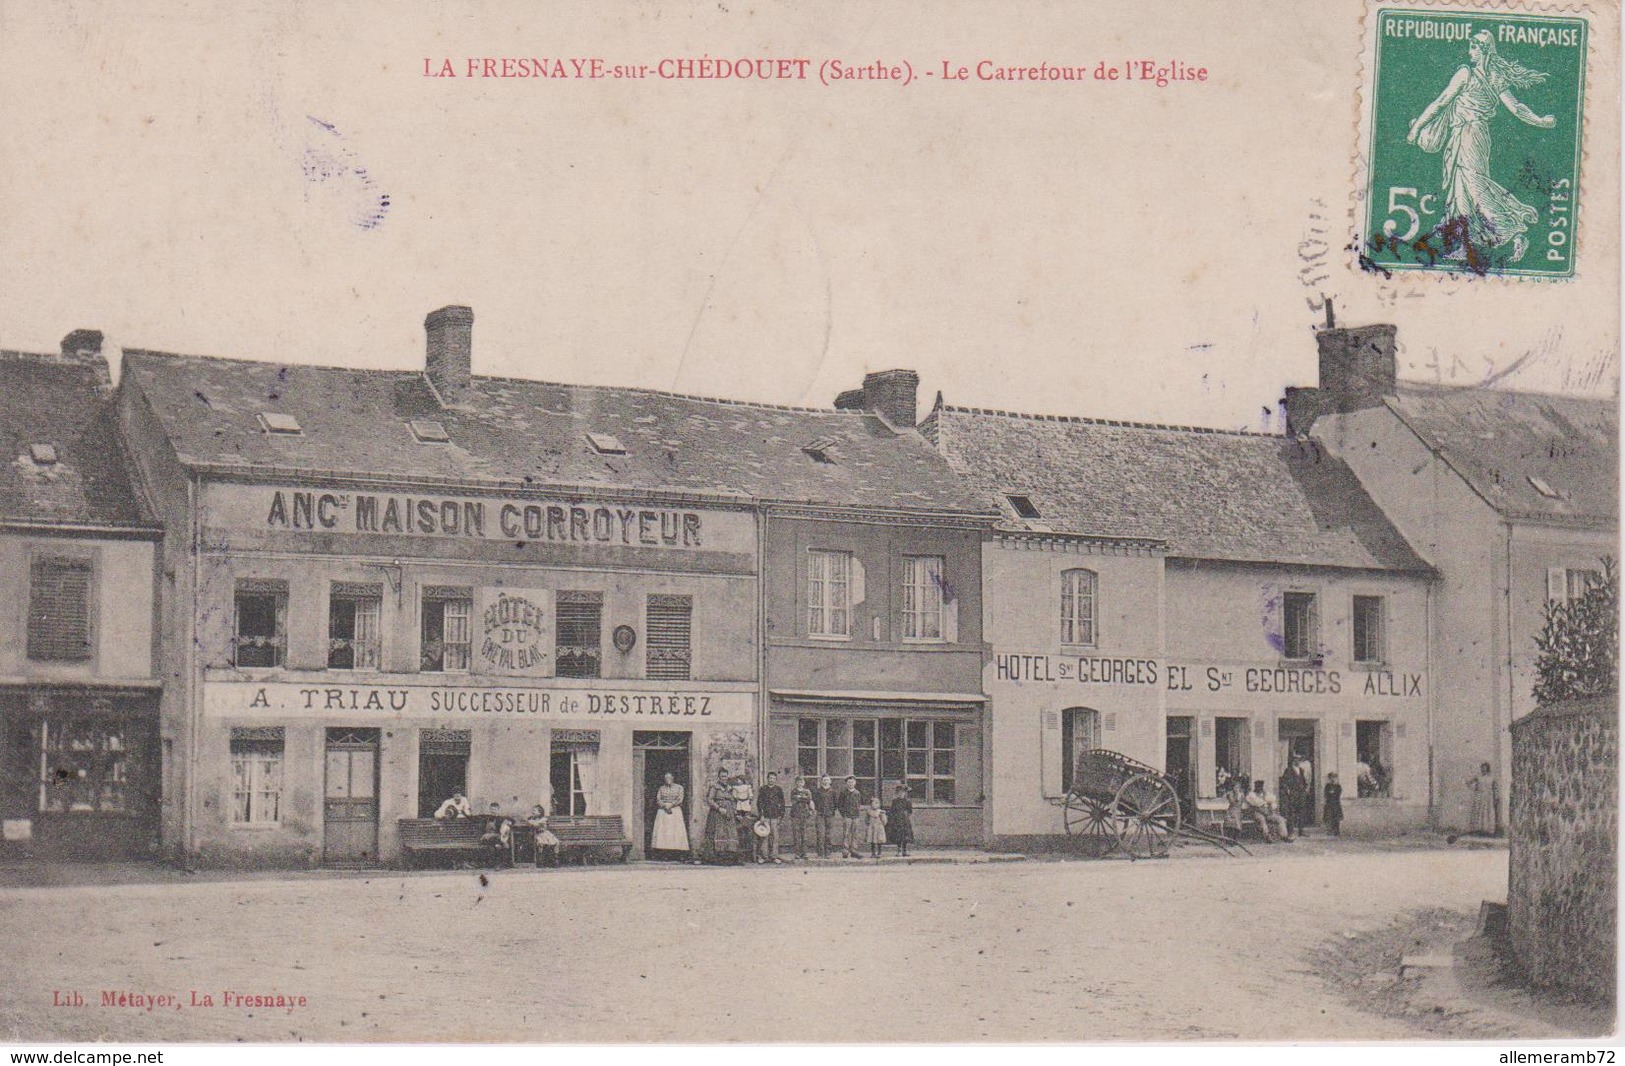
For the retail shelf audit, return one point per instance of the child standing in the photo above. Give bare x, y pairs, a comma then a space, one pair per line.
1333, 806
874, 830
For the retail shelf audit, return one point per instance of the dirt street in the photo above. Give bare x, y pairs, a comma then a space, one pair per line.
1193, 948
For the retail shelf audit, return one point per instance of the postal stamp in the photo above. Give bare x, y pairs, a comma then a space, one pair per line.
1473, 123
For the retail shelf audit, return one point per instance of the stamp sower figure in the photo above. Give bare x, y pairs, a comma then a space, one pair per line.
770, 808
670, 835
850, 804
900, 821
721, 832
874, 827
824, 803
802, 814
1458, 123
1332, 805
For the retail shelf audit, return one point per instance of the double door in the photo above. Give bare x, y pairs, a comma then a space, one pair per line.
350, 799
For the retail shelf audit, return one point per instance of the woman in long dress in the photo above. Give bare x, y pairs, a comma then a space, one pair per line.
670, 834
1458, 122
721, 830
900, 821
1481, 816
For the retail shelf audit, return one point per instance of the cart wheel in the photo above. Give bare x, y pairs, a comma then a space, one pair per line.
1093, 823
1149, 810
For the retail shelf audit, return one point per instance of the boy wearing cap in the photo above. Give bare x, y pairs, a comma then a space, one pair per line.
824, 797
851, 807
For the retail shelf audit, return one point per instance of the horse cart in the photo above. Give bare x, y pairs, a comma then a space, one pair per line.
1117, 804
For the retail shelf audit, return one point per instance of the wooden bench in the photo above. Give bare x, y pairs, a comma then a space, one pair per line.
586, 833
453, 837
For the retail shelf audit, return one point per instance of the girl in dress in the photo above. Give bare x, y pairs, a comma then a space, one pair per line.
670, 836
874, 829
900, 821
1332, 805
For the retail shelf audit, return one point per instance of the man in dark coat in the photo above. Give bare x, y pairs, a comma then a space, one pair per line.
824, 806
850, 804
769, 808
1291, 799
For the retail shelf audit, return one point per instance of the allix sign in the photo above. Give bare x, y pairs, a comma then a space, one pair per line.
1273, 679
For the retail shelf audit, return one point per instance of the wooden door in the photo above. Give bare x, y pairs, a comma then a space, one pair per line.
350, 806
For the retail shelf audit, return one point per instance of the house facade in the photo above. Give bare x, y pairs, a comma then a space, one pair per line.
1512, 496
80, 684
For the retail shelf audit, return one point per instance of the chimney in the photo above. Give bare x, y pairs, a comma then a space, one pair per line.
450, 333
83, 342
891, 394
1358, 367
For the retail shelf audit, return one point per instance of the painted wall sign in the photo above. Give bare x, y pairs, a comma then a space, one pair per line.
243, 699
1084, 669
1263, 679
279, 509
515, 632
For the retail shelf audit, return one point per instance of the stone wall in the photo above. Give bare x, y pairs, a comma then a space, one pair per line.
1563, 830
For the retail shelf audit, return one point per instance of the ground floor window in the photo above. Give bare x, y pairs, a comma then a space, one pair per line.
882, 753
88, 765
1230, 762
574, 773
1373, 748
256, 775
442, 767
1080, 732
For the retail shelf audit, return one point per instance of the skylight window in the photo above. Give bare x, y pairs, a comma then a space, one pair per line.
43, 454
276, 422
1544, 487
1023, 505
822, 450
429, 432
606, 444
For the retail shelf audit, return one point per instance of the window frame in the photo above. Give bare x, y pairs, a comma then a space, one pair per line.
591, 652
1311, 638
63, 560
1381, 657
1071, 586
255, 749
277, 592
890, 765
357, 594
820, 608
444, 596
911, 587
682, 657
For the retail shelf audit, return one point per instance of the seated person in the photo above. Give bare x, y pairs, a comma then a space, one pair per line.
497, 833
454, 807
1262, 811
547, 845
1235, 799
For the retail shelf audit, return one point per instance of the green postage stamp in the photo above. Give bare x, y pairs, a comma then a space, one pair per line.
1472, 126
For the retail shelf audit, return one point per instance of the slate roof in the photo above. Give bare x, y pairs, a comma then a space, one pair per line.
517, 433
64, 402
1208, 494
1503, 442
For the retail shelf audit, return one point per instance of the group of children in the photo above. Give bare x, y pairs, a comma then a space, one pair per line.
497, 832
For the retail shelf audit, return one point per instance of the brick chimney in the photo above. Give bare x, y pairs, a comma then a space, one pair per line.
83, 342
1358, 367
446, 363
891, 394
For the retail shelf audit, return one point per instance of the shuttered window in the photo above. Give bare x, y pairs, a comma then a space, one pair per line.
667, 629
59, 609
581, 617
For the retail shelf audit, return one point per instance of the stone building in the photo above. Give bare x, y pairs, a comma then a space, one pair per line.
1513, 497
1212, 603
79, 678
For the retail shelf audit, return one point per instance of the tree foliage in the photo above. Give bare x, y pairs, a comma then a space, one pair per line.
1579, 644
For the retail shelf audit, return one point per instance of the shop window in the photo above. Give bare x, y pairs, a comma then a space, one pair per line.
59, 609
581, 623
1370, 630
882, 753
829, 591
88, 766
447, 633
261, 623
1373, 748
667, 626
256, 775
1298, 637
922, 597
442, 767
1230, 762
1080, 732
352, 627
574, 773
1078, 607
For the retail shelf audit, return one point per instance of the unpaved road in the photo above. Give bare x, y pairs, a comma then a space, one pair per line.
1194, 948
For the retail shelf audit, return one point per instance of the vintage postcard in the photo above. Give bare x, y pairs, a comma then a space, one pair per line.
727, 522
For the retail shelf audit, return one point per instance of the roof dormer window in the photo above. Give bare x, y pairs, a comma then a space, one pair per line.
1023, 505
606, 444
429, 432
276, 422
43, 454
822, 450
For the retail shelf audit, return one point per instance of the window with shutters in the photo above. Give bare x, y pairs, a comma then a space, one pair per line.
667, 626
256, 773
352, 626
1080, 732
261, 635
59, 609
1078, 607
447, 636
580, 629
